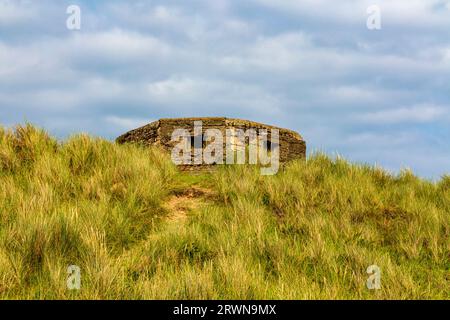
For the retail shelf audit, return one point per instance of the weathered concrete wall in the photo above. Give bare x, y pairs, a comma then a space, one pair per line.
159, 133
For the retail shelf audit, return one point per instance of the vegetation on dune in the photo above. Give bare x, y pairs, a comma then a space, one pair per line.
309, 232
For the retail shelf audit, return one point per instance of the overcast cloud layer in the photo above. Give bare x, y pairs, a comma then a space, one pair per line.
313, 66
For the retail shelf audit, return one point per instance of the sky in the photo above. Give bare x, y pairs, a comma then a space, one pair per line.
376, 96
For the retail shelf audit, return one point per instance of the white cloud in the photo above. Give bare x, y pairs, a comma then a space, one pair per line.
446, 56
352, 93
147, 14
15, 12
344, 10
125, 123
277, 53
118, 43
379, 139
212, 94
415, 114
213, 22
15, 60
178, 89
408, 13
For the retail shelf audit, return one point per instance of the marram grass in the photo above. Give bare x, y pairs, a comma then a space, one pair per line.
310, 232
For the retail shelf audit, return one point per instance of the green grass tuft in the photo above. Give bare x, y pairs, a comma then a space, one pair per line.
309, 232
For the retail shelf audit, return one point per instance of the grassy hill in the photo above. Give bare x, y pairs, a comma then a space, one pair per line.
138, 229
